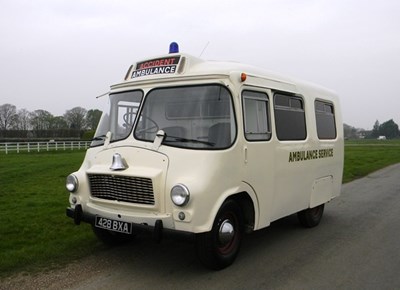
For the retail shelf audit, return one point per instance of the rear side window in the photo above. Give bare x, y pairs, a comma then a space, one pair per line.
290, 118
325, 117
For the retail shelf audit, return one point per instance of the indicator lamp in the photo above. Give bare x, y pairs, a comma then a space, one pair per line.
173, 47
181, 216
243, 77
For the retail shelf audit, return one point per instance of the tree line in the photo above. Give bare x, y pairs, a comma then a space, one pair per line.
388, 129
79, 122
23, 124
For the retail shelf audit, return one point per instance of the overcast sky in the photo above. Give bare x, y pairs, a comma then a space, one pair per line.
56, 55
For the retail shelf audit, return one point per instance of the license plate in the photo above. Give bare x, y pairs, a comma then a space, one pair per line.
113, 225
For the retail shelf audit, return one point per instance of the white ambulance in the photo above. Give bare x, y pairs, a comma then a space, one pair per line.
215, 149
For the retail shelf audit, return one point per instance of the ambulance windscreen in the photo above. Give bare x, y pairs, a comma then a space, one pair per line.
195, 117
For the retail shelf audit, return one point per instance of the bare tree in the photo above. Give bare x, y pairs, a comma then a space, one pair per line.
23, 120
41, 119
8, 116
76, 118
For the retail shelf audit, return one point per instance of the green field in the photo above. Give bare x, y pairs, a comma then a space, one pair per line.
365, 156
34, 230
35, 234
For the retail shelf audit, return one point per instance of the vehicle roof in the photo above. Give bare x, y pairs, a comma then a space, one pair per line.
191, 66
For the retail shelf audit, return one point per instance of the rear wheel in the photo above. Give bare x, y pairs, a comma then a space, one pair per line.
311, 217
218, 248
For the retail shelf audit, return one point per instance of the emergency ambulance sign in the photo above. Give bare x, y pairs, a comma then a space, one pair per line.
165, 65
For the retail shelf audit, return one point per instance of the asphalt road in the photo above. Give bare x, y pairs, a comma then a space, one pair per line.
356, 246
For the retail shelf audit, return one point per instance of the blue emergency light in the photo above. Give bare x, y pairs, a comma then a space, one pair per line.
173, 47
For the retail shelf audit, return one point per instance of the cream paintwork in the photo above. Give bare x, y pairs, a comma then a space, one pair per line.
260, 169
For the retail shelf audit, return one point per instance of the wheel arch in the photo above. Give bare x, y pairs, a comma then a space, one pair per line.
247, 200
245, 197
246, 204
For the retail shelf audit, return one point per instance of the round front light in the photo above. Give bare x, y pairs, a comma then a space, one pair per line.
180, 195
71, 183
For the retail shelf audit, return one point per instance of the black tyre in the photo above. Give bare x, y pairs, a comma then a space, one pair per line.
218, 248
111, 238
311, 217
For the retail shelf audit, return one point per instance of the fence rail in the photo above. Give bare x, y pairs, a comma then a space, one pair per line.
18, 147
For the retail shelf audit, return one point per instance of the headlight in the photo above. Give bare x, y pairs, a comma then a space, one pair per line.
72, 183
180, 195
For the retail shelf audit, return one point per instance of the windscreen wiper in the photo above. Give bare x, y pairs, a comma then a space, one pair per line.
99, 138
186, 140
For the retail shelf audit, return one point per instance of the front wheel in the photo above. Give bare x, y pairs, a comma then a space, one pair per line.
218, 248
311, 217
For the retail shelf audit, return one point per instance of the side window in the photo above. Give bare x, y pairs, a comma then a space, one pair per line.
325, 117
256, 120
290, 118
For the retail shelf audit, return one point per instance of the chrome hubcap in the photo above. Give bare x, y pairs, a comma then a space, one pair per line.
226, 232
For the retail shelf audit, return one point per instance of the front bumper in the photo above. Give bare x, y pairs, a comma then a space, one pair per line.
157, 227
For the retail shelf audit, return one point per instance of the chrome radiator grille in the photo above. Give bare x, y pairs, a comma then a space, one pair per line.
122, 188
